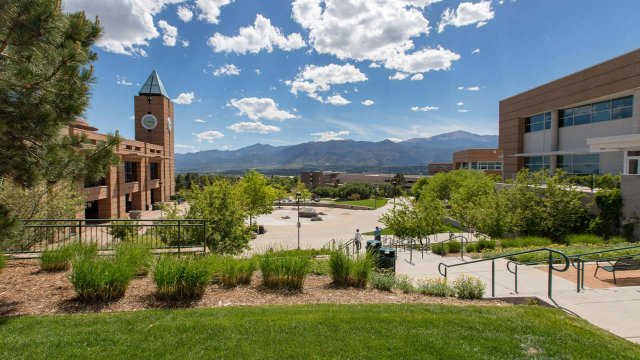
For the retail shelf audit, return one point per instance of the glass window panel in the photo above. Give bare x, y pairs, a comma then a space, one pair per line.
527, 128
582, 110
586, 159
537, 127
585, 169
601, 106
547, 124
547, 116
633, 153
565, 113
601, 116
621, 113
582, 119
622, 102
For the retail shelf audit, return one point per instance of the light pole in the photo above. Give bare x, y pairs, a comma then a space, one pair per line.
298, 199
375, 198
394, 187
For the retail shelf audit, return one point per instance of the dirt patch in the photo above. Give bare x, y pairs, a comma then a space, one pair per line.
25, 290
604, 279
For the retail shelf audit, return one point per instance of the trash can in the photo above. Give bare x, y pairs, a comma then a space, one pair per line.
387, 258
261, 230
373, 245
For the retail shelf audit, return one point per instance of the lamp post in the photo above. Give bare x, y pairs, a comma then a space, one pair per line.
298, 199
375, 198
394, 187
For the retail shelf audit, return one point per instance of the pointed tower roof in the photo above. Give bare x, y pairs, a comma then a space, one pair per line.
153, 86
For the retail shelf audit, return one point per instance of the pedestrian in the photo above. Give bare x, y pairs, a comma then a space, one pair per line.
358, 240
377, 234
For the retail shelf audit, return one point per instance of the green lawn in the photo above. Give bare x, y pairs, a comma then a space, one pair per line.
312, 332
374, 204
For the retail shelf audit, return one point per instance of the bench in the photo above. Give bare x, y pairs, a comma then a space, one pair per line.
620, 264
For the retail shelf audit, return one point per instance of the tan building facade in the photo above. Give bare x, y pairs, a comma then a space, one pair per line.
435, 168
584, 123
146, 172
487, 160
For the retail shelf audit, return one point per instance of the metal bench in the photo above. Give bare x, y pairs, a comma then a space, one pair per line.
620, 264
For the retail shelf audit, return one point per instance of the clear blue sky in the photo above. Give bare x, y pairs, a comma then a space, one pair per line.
281, 72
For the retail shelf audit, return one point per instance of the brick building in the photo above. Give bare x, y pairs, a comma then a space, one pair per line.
146, 173
487, 160
434, 168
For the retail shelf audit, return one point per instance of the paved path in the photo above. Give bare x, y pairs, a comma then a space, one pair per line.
615, 309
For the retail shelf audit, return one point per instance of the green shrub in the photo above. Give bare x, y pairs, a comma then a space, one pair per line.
616, 240
234, 272
137, 256
319, 267
184, 278
440, 249
453, 247
340, 268
384, 281
3, 261
286, 272
58, 259
583, 239
123, 229
100, 278
526, 241
480, 245
360, 270
435, 287
404, 283
468, 287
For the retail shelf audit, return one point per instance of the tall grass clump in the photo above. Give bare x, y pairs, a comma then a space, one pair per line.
339, 268
59, 259
137, 256
181, 278
384, 281
361, 269
525, 241
233, 272
100, 279
480, 245
583, 239
284, 272
468, 287
435, 287
350, 272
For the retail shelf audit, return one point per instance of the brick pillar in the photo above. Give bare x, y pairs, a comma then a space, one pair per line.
636, 112
137, 198
553, 159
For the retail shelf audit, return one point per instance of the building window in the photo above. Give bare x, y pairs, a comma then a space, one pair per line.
536, 163
130, 171
89, 183
538, 122
620, 108
154, 172
580, 164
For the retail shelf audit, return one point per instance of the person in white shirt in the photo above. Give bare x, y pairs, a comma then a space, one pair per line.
358, 240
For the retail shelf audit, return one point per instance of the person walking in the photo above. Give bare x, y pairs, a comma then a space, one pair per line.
377, 234
358, 240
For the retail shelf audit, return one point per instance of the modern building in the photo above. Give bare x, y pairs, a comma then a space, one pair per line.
329, 178
146, 173
435, 168
487, 160
318, 178
584, 123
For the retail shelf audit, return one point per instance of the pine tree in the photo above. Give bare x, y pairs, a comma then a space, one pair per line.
45, 78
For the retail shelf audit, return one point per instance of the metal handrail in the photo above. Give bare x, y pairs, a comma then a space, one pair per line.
463, 241
493, 267
577, 258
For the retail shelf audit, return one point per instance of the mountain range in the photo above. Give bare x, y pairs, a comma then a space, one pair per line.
339, 155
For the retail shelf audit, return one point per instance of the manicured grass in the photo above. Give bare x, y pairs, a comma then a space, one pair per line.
313, 332
374, 204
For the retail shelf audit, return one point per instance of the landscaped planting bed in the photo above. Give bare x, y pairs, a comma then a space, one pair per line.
24, 289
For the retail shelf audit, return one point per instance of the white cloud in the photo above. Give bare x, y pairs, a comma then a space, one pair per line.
395, 140
257, 71
417, 77
337, 100
253, 39
199, 120
460, 87
467, 14
261, 108
374, 65
253, 127
121, 80
228, 69
368, 102
132, 117
313, 79
184, 13
424, 108
185, 43
128, 24
169, 33
379, 31
330, 135
460, 103
210, 9
398, 76
476, 51
463, 110
469, 88
180, 148
185, 98
209, 136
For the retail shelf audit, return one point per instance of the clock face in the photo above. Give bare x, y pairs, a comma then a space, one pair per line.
149, 122
170, 124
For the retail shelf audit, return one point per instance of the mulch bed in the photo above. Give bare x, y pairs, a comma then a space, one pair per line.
24, 290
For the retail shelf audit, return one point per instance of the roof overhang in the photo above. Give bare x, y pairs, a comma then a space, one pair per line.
548, 153
614, 143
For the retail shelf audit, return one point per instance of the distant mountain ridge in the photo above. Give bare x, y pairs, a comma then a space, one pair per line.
341, 154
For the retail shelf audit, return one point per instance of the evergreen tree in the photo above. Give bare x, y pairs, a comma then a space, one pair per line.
45, 78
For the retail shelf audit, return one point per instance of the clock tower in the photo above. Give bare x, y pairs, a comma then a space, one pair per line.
154, 124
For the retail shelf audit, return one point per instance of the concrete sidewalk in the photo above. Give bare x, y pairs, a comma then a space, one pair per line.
616, 310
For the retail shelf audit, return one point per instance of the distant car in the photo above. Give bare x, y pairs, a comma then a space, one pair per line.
308, 213
316, 199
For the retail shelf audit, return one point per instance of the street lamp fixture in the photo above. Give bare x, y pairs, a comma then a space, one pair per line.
298, 195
